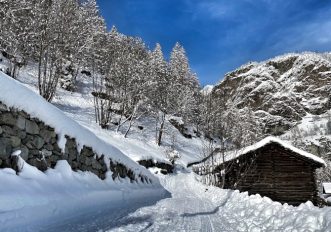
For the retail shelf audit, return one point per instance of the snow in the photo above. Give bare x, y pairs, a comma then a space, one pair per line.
231, 155
25, 99
139, 145
207, 90
37, 201
327, 188
271, 139
196, 207
16, 153
62, 200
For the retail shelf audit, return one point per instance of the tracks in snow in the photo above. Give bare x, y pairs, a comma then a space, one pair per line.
188, 210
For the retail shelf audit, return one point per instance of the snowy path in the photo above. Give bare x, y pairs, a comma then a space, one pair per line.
187, 210
192, 206
195, 207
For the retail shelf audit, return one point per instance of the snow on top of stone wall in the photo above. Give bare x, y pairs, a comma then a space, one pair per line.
14, 94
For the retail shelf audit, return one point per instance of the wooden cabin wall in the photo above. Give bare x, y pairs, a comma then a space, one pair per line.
276, 173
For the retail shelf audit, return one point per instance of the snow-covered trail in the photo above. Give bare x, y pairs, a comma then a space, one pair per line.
63, 200
189, 209
100, 218
192, 206
195, 207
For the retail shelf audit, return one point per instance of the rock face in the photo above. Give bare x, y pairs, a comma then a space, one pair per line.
165, 168
39, 147
282, 90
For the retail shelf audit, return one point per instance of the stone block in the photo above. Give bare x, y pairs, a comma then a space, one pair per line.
24, 152
95, 164
31, 127
49, 147
38, 163
21, 134
8, 130
87, 151
36, 143
7, 119
15, 141
5, 148
53, 158
20, 123
47, 135
88, 161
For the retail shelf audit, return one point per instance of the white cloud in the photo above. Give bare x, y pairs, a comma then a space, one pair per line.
213, 9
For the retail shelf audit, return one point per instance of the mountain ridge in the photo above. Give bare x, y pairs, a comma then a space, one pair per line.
282, 90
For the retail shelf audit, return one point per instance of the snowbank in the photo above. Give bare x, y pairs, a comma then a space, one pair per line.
35, 199
255, 213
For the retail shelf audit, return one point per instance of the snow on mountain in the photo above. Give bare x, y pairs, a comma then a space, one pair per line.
282, 90
62, 200
207, 89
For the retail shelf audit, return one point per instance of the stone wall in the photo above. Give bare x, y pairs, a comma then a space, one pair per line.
165, 168
38, 143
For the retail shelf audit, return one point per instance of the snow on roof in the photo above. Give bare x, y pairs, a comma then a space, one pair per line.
327, 188
14, 94
272, 139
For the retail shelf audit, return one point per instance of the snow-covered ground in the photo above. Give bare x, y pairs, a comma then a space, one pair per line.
311, 128
196, 207
14, 94
139, 145
62, 200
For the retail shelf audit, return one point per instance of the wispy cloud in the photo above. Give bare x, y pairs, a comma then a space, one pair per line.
213, 9
220, 35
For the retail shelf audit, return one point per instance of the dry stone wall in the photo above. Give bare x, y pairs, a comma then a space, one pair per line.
38, 143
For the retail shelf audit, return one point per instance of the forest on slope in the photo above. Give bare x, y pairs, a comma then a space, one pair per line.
67, 39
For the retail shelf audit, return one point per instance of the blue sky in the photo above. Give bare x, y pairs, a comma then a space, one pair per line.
220, 35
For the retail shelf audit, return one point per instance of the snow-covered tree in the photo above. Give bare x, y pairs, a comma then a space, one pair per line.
160, 94
17, 30
184, 84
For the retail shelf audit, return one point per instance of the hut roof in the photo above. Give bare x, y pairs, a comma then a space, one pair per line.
269, 140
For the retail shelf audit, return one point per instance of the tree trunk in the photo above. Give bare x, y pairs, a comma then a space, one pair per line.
224, 171
161, 130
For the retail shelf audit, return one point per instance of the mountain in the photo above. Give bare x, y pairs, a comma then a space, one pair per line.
282, 90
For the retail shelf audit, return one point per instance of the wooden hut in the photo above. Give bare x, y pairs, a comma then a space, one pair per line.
274, 169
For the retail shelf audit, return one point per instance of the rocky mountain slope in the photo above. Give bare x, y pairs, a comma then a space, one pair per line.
282, 90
